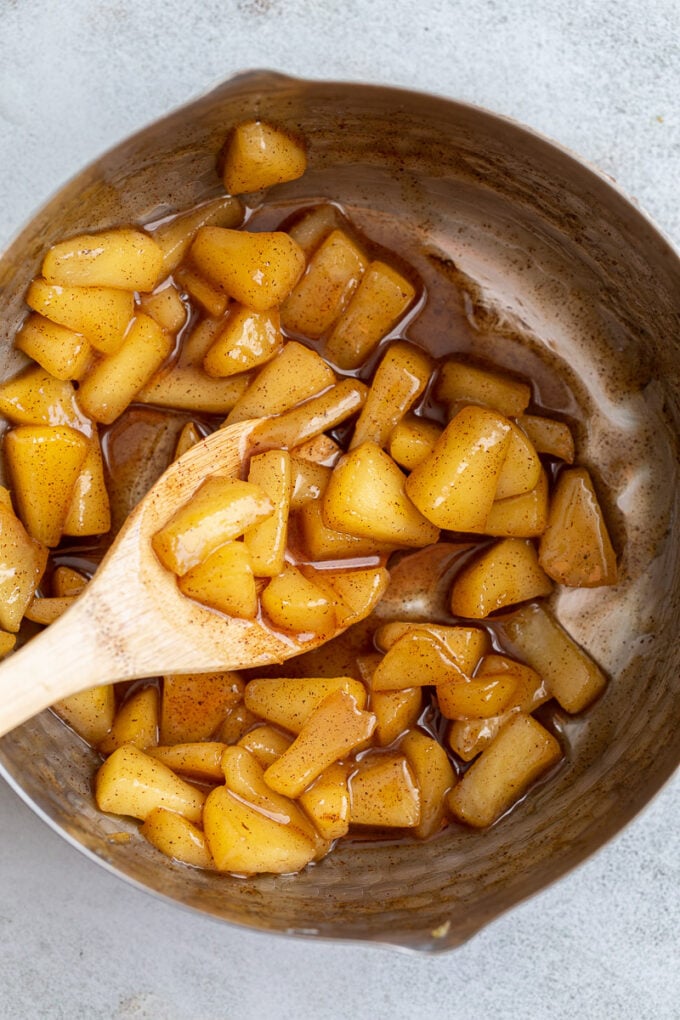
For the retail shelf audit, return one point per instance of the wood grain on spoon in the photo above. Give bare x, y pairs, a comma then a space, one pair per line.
132, 620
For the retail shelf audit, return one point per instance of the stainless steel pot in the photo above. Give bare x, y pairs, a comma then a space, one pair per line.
558, 269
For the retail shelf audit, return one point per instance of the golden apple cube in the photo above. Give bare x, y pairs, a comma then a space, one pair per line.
366, 497
60, 351
67, 582
412, 440
315, 416
456, 485
177, 838
258, 270
266, 743
384, 792
460, 383
549, 436
314, 226
464, 645
235, 724
194, 704
201, 761
506, 572
323, 543
575, 548
122, 258
359, 591
90, 713
335, 727
46, 610
308, 481
136, 721
288, 702
395, 711
166, 307
219, 511
101, 314
206, 293
188, 437
434, 776
327, 802
7, 643
521, 468
469, 737
188, 388
522, 751
333, 274
266, 542
524, 516
44, 462
89, 512
246, 778
478, 698
248, 340
259, 155
131, 782
570, 674
295, 375
224, 581
417, 659
382, 298
294, 603
245, 841
34, 397
114, 382
399, 380
22, 565
174, 236
320, 450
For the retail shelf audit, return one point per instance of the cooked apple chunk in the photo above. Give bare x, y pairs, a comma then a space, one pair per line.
460, 383
259, 155
258, 270
333, 274
123, 258
383, 792
576, 549
219, 511
456, 485
367, 478
522, 751
224, 581
505, 573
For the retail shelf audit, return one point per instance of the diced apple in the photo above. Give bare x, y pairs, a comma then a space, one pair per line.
575, 548
177, 838
294, 603
367, 478
194, 704
295, 375
248, 340
101, 314
399, 380
258, 270
506, 572
60, 351
44, 462
434, 776
122, 258
522, 751
131, 782
259, 155
383, 792
219, 511
224, 581
288, 702
332, 276
460, 383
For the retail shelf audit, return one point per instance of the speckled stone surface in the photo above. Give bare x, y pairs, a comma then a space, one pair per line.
602, 79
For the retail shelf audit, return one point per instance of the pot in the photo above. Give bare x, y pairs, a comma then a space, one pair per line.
561, 279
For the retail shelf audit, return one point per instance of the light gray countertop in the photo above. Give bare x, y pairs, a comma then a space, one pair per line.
601, 78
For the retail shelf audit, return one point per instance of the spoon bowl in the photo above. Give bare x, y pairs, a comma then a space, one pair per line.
132, 621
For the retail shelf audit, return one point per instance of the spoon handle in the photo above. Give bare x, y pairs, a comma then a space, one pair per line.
62, 660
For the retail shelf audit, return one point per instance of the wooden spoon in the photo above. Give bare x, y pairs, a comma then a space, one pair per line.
132, 620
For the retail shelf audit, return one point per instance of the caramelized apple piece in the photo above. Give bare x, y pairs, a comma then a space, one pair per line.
131, 782
288, 702
505, 573
176, 837
383, 792
434, 777
259, 155
460, 383
399, 380
456, 485
224, 581
122, 258
575, 548
332, 276
522, 751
